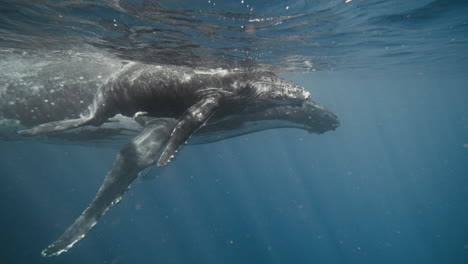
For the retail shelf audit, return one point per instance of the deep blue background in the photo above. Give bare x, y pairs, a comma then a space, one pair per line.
390, 185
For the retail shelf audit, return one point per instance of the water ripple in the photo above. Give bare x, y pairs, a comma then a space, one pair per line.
280, 35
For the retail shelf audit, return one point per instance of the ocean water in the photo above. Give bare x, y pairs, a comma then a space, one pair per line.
390, 185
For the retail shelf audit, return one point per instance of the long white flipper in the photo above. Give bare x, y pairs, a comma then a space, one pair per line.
138, 154
190, 121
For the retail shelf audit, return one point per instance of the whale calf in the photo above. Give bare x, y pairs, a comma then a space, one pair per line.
189, 95
171, 104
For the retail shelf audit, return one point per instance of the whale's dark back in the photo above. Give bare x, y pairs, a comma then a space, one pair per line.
165, 91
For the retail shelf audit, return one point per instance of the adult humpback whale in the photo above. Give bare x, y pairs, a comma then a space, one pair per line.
171, 104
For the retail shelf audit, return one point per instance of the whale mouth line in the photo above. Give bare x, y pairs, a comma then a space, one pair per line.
269, 83
282, 85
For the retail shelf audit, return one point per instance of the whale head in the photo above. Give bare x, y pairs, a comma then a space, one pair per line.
315, 118
308, 116
271, 87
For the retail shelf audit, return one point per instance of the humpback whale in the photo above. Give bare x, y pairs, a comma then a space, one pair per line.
170, 105
189, 95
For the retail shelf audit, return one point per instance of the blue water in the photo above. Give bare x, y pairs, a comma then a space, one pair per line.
390, 185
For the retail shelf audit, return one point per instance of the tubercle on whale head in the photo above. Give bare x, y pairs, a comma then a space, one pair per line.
288, 92
276, 88
295, 91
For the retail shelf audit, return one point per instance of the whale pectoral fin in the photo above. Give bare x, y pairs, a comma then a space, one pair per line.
56, 126
192, 119
136, 155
